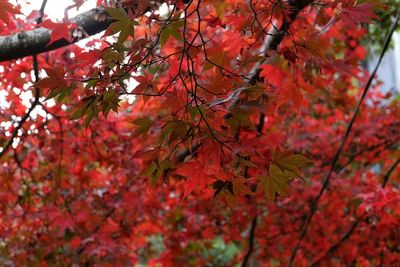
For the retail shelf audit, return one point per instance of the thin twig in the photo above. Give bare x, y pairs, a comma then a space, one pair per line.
335, 246
271, 45
353, 227
390, 171
251, 242
314, 204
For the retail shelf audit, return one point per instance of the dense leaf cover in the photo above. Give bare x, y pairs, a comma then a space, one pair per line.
199, 133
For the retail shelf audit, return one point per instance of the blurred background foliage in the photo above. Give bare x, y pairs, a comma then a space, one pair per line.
377, 31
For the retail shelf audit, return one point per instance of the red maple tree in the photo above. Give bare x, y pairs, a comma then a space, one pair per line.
197, 133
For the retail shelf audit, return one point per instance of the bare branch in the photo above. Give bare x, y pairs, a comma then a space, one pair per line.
251, 242
314, 204
344, 237
390, 171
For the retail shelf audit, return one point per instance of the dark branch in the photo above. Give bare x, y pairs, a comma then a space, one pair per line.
296, 7
314, 204
354, 225
251, 242
390, 171
33, 42
335, 246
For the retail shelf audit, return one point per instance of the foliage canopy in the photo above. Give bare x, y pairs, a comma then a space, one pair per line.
197, 133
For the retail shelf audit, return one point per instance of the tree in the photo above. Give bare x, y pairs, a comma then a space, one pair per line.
197, 133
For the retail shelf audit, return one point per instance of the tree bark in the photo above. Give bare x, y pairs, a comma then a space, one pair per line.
33, 42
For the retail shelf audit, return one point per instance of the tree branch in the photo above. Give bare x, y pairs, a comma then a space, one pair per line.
314, 204
271, 45
339, 242
391, 170
251, 242
354, 225
277, 37
27, 43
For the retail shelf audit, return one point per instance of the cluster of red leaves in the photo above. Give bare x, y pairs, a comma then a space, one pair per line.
206, 146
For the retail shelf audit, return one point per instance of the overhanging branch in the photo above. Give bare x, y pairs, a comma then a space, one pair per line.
33, 42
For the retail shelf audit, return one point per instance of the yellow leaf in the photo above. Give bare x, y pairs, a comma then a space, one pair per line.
277, 183
291, 162
240, 187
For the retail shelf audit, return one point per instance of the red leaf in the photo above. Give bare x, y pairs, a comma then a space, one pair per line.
55, 79
58, 30
362, 13
272, 74
5, 9
195, 175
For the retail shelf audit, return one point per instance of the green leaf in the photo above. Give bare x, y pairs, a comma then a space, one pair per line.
63, 93
240, 188
143, 124
88, 107
91, 83
173, 29
110, 102
179, 130
89, 118
156, 171
123, 24
117, 13
150, 169
277, 183
291, 162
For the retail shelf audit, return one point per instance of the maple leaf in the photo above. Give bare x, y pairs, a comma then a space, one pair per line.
54, 80
213, 22
287, 161
145, 84
224, 191
143, 179
173, 29
155, 171
291, 91
276, 183
195, 174
240, 188
362, 13
272, 74
123, 24
216, 57
59, 30
109, 101
219, 186
143, 125
284, 167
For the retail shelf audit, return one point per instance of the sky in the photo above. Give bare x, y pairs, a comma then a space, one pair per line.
55, 8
